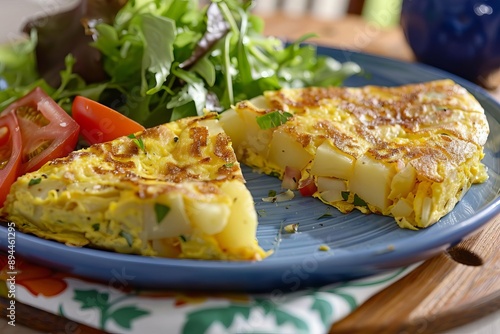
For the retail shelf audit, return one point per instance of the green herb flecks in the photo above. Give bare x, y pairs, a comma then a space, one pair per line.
183, 238
325, 215
273, 119
345, 195
271, 193
161, 212
128, 237
275, 174
137, 141
357, 201
34, 181
96, 227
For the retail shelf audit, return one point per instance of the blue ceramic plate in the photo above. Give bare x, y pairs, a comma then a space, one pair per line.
360, 245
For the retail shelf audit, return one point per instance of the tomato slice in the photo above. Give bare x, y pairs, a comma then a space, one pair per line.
307, 187
47, 131
100, 123
10, 153
4, 135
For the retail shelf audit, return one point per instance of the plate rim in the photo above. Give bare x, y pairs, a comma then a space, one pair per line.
433, 244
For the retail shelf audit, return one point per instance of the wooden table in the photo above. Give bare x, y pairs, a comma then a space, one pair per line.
442, 293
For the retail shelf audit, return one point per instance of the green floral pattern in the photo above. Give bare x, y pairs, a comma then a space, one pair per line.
307, 311
108, 310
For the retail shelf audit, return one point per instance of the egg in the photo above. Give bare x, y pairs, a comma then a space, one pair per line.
410, 152
175, 190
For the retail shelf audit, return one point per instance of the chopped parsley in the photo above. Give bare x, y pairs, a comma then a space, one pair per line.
357, 201
229, 165
96, 227
345, 195
34, 181
273, 119
275, 174
128, 237
161, 211
271, 193
325, 215
137, 141
183, 238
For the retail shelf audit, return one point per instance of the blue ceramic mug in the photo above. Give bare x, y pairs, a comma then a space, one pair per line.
459, 36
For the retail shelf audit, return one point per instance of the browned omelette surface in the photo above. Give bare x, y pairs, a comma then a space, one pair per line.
175, 190
410, 151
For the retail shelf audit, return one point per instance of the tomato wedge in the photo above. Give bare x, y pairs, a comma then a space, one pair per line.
10, 153
47, 131
100, 123
307, 187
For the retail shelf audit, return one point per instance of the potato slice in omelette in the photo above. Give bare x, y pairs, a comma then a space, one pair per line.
175, 190
410, 152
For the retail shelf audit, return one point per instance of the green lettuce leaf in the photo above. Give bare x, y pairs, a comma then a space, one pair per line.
165, 59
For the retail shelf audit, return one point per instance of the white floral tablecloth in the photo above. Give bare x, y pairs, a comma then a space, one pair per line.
142, 311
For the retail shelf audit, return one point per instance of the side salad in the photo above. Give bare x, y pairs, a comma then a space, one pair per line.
159, 60
120, 66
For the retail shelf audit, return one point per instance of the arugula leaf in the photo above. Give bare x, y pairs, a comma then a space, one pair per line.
17, 62
158, 33
205, 69
216, 29
194, 90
